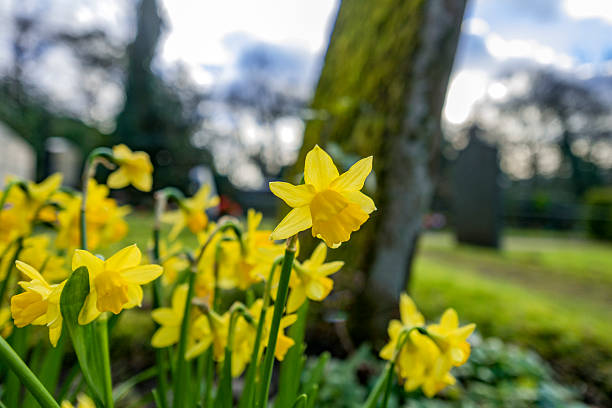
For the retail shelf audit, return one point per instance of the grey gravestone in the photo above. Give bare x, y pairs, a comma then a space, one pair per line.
64, 157
17, 157
476, 193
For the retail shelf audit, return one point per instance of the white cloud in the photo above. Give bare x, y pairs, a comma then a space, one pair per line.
475, 26
583, 9
503, 49
465, 89
197, 28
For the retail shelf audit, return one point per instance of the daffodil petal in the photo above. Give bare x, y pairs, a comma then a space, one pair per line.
121, 152
93, 264
409, 313
294, 196
366, 203
319, 169
318, 255
30, 272
449, 320
143, 181
135, 296
330, 267
354, 178
297, 220
166, 316
128, 257
118, 179
165, 336
318, 289
89, 312
142, 274
296, 299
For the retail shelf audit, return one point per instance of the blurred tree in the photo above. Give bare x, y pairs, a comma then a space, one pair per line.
26, 108
381, 93
551, 111
158, 117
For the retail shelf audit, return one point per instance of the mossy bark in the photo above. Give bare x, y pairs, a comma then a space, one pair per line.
381, 93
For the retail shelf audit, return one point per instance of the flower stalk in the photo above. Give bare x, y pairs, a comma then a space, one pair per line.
279, 307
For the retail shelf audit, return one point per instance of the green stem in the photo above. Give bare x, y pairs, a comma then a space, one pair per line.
379, 386
27, 377
224, 392
162, 369
279, 307
181, 379
102, 333
210, 373
246, 400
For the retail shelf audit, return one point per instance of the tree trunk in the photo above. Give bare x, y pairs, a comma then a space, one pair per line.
381, 93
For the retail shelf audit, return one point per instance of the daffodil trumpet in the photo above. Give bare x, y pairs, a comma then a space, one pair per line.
279, 307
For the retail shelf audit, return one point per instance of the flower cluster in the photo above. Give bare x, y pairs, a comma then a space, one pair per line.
222, 293
424, 355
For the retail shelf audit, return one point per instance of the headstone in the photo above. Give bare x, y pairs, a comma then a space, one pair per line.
17, 157
64, 157
476, 193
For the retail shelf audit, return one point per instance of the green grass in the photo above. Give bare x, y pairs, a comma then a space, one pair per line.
553, 295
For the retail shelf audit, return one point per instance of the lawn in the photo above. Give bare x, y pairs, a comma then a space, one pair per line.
553, 295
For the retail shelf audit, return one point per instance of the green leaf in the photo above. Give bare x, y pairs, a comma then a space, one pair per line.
301, 401
311, 387
84, 339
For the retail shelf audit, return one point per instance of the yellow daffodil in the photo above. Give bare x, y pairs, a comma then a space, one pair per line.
331, 204
208, 329
135, 168
36, 254
14, 216
191, 212
425, 357
243, 268
451, 338
170, 319
310, 280
40, 193
83, 401
114, 283
39, 304
104, 218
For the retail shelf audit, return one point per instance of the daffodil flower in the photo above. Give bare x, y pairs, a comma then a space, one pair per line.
191, 212
424, 359
170, 319
114, 283
330, 203
310, 280
135, 168
39, 304
451, 338
208, 329
36, 254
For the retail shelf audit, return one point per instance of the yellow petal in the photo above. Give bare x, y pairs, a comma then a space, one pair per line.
294, 196
353, 178
319, 169
142, 274
90, 311
409, 312
319, 289
449, 320
134, 295
142, 180
122, 152
55, 331
118, 179
94, 264
297, 220
30, 272
128, 257
166, 316
330, 267
318, 255
296, 299
366, 203
165, 336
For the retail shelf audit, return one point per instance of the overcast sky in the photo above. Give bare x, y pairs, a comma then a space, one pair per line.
209, 38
